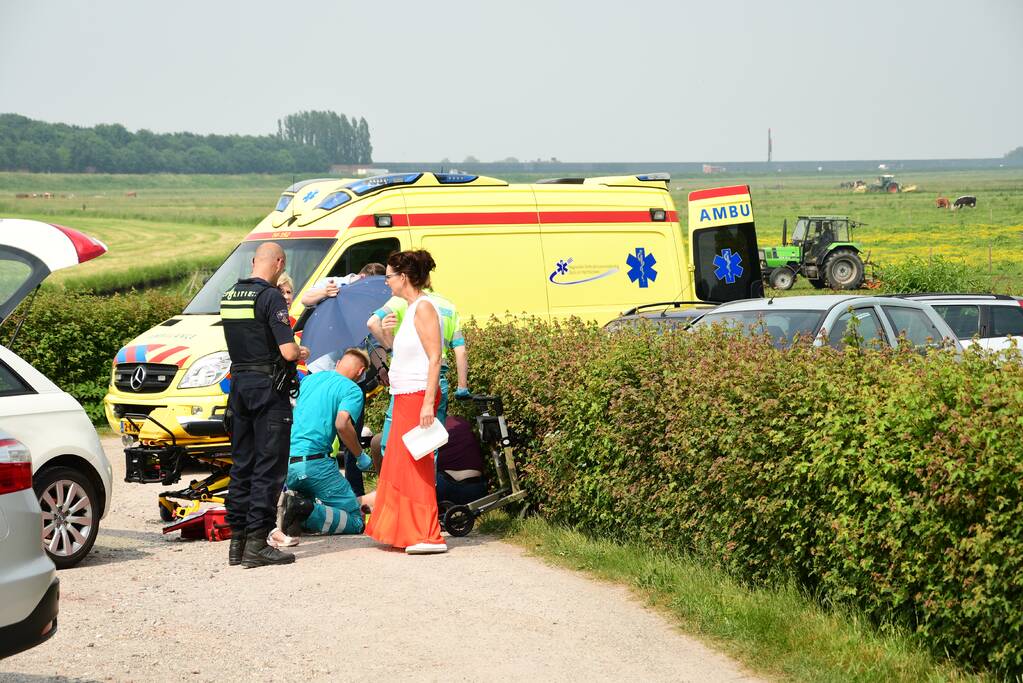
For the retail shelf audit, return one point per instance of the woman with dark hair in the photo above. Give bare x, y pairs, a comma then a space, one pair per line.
405, 510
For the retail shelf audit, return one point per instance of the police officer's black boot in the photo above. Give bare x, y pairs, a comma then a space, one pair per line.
296, 510
237, 547
259, 554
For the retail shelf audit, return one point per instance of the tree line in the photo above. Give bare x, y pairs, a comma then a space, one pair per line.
39, 146
336, 135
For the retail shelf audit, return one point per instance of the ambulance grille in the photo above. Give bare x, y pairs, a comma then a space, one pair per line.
157, 377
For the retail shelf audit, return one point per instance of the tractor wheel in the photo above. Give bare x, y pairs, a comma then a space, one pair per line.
893, 188
844, 269
783, 278
817, 282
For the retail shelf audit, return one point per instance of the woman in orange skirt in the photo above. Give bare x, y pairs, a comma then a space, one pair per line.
405, 509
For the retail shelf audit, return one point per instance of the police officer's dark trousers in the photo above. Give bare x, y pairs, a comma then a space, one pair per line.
260, 440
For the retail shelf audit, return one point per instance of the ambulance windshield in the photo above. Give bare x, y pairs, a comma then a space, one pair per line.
303, 256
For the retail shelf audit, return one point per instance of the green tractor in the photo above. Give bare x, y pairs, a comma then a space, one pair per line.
821, 250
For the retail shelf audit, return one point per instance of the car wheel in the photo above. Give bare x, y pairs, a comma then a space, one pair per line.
70, 514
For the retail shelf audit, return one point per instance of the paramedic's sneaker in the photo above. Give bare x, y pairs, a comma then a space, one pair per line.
279, 539
426, 549
259, 554
296, 510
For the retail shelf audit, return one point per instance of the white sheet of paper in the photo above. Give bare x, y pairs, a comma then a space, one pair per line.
421, 441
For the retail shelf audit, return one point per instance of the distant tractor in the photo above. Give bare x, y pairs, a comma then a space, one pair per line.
885, 183
821, 250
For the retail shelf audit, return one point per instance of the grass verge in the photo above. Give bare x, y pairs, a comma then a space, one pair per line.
146, 276
775, 632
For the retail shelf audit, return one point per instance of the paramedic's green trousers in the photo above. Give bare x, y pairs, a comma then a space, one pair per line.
336, 509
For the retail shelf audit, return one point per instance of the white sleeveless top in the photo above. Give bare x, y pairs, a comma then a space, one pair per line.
410, 364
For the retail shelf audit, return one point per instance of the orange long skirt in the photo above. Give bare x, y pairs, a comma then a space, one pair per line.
405, 512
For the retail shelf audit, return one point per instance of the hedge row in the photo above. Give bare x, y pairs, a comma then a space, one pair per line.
887, 480
72, 338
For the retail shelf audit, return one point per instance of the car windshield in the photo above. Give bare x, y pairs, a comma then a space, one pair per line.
782, 325
302, 258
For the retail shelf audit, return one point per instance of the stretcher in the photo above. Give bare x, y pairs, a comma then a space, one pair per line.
162, 446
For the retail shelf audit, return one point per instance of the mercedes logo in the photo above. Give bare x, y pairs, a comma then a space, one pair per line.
137, 378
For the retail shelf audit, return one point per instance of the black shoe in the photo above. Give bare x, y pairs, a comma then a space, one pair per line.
259, 554
296, 510
237, 547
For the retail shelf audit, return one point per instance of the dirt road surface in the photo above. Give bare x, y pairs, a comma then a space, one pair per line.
149, 607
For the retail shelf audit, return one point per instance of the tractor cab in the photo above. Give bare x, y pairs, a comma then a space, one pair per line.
821, 250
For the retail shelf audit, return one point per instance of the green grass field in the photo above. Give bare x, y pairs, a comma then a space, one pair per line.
988, 238
183, 222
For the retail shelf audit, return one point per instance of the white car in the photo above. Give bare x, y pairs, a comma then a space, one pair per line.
29, 588
825, 319
70, 473
989, 321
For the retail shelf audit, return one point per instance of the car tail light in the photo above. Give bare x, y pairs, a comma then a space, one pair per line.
15, 466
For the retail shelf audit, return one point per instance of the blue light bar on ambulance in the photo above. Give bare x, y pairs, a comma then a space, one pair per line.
454, 178
283, 202
654, 176
333, 200
361, 187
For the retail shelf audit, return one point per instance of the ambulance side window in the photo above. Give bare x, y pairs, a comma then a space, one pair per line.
358, 255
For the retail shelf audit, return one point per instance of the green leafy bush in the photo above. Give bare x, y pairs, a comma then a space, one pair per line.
934, 274
887, 480
72, 338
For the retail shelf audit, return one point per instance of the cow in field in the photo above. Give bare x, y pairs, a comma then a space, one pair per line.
966, 200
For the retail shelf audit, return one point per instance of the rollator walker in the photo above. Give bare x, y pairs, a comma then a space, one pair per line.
458, 520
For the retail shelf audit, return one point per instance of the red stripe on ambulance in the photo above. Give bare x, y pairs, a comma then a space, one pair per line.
718, 192
166, 354
511, 218
290, 234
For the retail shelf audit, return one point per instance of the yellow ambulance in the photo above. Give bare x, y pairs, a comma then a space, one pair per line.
586, 247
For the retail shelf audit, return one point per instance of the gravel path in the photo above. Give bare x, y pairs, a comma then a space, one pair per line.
149, 607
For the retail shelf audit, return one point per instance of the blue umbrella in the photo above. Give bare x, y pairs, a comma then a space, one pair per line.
339, 322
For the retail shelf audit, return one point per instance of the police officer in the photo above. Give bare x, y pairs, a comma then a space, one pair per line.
263, 352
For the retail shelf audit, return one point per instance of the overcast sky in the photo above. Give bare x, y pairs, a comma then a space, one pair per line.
580, 81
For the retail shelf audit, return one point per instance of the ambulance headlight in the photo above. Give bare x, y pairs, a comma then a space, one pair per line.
206, 371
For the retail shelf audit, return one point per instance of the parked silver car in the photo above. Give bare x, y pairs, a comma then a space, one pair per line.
985, 320
826, 318
29, 588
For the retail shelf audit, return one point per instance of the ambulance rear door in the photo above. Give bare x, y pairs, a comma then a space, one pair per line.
486, 243
723, 243
607, 249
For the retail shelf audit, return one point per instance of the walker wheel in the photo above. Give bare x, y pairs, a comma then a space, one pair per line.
459, 520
